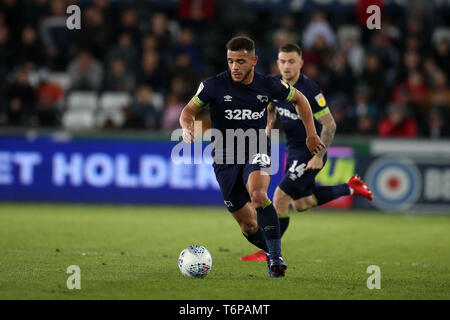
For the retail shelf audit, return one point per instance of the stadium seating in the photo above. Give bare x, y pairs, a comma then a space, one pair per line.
110, 107
78, 120
82, 100
81, 110
60, 78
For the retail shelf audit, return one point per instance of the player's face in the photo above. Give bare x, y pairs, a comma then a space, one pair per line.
241, 64
289, 64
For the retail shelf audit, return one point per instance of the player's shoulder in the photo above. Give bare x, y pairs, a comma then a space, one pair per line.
222, 77
270, 77
274, 81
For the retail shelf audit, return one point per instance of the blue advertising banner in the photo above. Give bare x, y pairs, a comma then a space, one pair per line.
99, 170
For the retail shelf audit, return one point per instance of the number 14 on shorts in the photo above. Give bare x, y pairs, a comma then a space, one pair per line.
296, 171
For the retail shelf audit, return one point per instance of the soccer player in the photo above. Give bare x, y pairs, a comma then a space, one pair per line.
298, 185
238, 101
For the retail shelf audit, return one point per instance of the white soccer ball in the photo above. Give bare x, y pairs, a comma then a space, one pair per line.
195, 261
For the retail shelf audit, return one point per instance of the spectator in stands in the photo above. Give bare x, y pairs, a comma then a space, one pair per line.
313, 72
124, 49
354, 52
439, 95
149, 42
397, 123
340, 108
20, 100
430, 71
85, 72
56, 37
153, 71
442, 55
373, 77
30, 48
186, 45
49, 101
411, 70
341, 79
6, 50
159, 27
13, 17
182, 68
318, 26
34, 11
381, 44
129, 23
412, 92
94, 34
411, 62
197, 13
109, 13
142, 114
417, 89
364, 113
117, 77
320, 55
415, 28
172, 111
179, 87
280, 37
436, 126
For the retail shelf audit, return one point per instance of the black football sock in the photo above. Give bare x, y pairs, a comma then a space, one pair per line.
327, 194
268, 221
257, 239
284, 223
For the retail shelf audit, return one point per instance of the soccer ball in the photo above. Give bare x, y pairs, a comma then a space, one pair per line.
195, 262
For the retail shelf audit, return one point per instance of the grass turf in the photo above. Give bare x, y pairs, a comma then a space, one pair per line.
129, 252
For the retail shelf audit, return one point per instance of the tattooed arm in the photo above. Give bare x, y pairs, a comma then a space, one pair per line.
327, 136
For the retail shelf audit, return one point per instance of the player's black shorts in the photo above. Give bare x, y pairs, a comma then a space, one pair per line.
232, 179
298, 183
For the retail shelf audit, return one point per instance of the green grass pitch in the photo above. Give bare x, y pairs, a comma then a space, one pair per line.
127, 252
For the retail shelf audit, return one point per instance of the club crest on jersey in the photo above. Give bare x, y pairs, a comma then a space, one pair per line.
321, 100
227, 98
262, 98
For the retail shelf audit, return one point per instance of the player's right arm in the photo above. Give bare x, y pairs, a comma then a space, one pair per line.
187, 120
204, 95
327, 136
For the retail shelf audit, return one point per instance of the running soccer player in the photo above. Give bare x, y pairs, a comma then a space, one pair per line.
298, 185
238, 101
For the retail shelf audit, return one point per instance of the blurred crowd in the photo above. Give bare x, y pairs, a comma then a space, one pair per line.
391, 82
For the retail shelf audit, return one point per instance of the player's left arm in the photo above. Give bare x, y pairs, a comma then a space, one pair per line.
326, 135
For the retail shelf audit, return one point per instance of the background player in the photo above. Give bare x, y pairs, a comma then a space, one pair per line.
298, 185
231, 94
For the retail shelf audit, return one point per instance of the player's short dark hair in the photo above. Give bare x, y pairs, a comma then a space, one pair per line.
291, 47
241, 43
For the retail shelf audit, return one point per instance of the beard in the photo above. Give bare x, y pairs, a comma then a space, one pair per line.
245, 76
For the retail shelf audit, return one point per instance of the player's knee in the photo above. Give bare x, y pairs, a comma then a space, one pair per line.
301, 206
258, 198
249, 227
280, 203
